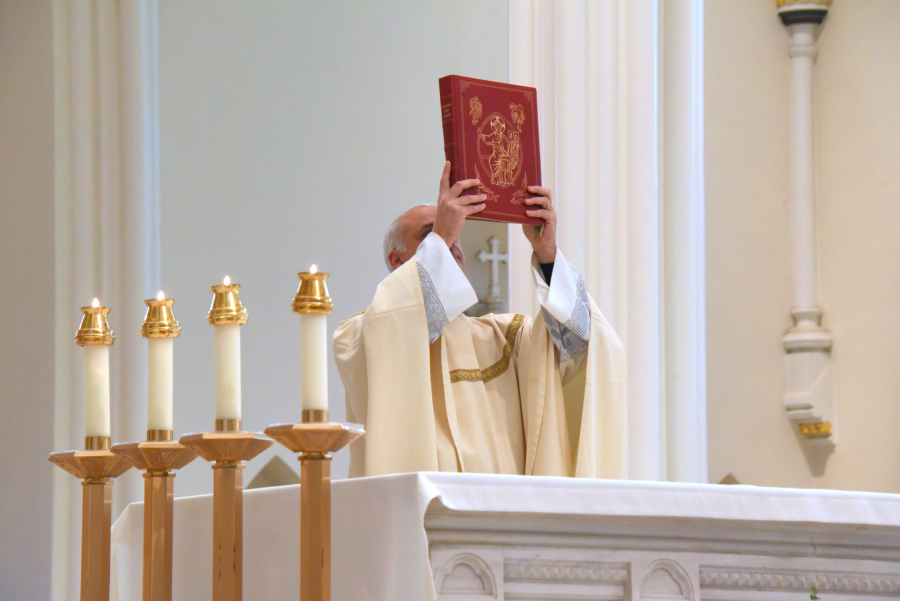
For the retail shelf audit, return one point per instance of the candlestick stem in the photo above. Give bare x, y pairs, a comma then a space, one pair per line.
228, 520
315, 441
157, 459
96, 468
158, 527
96, 508
228, 451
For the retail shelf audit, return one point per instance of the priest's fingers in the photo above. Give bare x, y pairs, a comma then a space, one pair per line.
463, 185
547, 216
472, 199
542, 201
542, 191
445, 180
471, 209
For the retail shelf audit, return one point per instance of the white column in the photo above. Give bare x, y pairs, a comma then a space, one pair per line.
809, 397
643, 337
684, 241
803, 53
106, 238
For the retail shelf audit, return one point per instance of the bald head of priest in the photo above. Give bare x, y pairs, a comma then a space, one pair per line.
506, 394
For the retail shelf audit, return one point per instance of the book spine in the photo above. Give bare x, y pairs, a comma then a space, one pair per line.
449, 119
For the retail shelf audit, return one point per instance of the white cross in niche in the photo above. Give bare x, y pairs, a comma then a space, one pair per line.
494, 300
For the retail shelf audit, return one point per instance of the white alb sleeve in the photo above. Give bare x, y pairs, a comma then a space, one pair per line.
445, 288
564, 307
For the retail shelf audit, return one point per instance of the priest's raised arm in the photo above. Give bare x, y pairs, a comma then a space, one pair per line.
440, 391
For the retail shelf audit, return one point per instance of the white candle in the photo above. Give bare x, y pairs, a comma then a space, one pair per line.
314, 365
96, 390
160, 358
228, 371
314, 358
96, 387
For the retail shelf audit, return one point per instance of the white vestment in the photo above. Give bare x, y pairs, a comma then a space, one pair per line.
440, 391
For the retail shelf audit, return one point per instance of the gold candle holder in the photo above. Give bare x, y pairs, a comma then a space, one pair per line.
312, 295
159, 321
94, 328
226, 305
228, 450
96, 468
315, 439
157, 459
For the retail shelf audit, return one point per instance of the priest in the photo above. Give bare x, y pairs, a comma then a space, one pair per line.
502, 394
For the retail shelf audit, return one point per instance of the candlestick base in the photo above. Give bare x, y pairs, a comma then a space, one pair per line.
315, 442
157, 459
96, 469
315, 437
228, 450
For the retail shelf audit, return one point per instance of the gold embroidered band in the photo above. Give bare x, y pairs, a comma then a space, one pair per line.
488, 374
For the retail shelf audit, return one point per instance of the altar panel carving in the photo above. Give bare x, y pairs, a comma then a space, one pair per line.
666, 580
465, 576
728, 583
549, 579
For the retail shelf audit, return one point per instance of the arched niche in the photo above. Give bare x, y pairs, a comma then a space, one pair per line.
466, 575
666, 580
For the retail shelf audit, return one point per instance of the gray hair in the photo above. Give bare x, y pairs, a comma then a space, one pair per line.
393, 240
394, 237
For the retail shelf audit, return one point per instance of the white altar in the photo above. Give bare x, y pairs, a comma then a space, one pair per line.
460, 536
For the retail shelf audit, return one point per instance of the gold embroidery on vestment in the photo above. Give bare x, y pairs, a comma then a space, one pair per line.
488, 374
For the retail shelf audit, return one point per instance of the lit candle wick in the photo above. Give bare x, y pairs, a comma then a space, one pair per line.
96, 303
313, 268
227, 281
160, 296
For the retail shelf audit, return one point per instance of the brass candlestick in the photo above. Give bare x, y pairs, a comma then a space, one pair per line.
314, 441
96, 466
228, 449
157, 457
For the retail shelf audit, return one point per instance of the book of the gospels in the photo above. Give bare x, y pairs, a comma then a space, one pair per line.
491, 134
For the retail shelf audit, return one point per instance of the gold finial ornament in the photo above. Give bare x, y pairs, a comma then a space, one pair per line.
794, 12
159, 322
94, 326
312, 295
226, 305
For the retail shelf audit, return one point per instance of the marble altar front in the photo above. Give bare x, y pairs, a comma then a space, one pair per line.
463, 537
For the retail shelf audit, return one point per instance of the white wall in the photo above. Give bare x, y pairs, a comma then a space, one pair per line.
293, 133
858, 189
26, 270
749, 284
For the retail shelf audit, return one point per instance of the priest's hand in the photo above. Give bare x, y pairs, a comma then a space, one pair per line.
542, 238
452, 208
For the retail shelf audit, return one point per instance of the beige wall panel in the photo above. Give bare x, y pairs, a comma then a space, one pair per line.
26, 270
748, 256
858, 190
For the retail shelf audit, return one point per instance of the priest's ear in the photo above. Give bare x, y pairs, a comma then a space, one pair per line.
395, 260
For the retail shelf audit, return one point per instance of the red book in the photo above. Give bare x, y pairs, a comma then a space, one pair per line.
491, 134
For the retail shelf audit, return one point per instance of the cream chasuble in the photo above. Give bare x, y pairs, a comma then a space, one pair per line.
493, 394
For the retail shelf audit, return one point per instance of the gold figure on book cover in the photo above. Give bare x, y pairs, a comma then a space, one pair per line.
504, 161
475, 109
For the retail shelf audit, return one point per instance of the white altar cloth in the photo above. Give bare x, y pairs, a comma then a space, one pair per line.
388, 530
